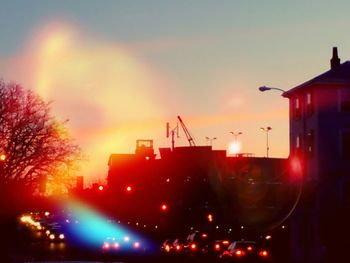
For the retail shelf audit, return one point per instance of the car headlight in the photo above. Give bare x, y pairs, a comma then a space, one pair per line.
61, 236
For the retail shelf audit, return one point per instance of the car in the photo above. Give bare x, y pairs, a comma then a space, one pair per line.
123, 245
216, 247
167, 246
56, 234
245, 250
196, 242
179, 245
111, 244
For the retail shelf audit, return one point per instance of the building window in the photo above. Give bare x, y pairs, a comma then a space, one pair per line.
310, 143
346, 145
297, 108
298, 142
309, 103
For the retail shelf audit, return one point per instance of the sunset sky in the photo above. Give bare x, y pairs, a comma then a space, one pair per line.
119, 70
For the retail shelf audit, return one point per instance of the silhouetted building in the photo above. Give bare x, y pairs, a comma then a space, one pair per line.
194, 181
320, 142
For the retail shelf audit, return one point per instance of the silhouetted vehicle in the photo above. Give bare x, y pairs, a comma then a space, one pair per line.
247, 251
56, 234
179, 245
123, 245
196, 242
167, 247
216, 247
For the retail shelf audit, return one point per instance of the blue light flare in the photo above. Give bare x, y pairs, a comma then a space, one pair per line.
91, 228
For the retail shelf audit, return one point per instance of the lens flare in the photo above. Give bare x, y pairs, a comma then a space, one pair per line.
99, 86
93, 229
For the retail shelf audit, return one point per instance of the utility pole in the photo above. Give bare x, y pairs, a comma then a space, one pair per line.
173, 131
267, 129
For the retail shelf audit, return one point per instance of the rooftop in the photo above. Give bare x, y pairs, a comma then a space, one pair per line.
339, 74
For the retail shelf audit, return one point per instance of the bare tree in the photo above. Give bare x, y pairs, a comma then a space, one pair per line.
34, 145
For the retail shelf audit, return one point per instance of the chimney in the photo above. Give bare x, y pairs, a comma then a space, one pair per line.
335, 60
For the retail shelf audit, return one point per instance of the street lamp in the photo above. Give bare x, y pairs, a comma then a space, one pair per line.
264, 88
267, 129
210, 140
236, 135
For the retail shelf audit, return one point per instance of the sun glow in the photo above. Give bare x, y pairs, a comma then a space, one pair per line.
234, 148
106, 91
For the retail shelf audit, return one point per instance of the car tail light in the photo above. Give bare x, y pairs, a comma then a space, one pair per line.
193, 246
106, 245
217, 247
178, 247
136, 245
167, 248
263, 253
225, 242
250, 248
239, 253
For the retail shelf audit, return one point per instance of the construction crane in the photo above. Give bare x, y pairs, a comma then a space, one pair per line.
188, 135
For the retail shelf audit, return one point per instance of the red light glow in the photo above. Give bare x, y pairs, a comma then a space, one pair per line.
164, 207
128, 188
106, 245
296, 167
193, 246
239, 253
263, 253
101, 188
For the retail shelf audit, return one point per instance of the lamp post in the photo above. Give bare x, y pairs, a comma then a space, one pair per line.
210, 140
236, 135
265, 88
267, 129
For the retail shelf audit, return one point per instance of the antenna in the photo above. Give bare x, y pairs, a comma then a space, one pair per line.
173, 131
